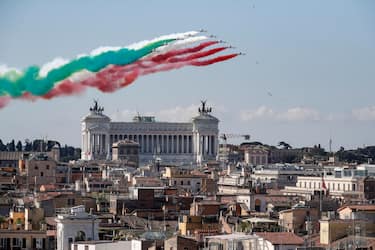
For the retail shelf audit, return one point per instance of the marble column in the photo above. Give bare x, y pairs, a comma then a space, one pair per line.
209, 145
204, 144
184, 144
88, 145
146, 141
93, 144
173, 151
168, 141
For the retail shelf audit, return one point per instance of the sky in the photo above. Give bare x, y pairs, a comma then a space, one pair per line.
307, 76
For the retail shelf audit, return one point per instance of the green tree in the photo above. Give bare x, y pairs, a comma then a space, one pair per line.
28, 145
19, 146
284, 145
11, 146
2, 146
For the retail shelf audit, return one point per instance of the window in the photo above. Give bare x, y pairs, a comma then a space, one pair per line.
47, 167
39, 243
3, 243
182, 182
41, 174
36, 167
18, 242
353, 187
71, 202
188, 182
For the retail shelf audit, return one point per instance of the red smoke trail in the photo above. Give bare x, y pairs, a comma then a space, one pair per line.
29, 97
196, 55
4, 100
66, 87
213, 60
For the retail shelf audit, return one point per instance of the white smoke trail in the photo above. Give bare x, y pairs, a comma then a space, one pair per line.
180, 43
5, 69
54, 64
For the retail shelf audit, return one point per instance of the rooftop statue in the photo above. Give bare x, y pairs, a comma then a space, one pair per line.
203, 109
96, 108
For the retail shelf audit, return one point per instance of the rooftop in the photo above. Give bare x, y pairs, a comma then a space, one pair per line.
234, 236
282, 238
363, 207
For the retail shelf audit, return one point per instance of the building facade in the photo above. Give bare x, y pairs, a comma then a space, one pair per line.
256, 155
189, 143
40, 169
127, 151
75, 225
341, 183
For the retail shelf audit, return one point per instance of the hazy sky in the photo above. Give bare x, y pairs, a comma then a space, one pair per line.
308, 74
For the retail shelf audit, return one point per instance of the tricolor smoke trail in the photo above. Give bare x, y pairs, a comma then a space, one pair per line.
109, 68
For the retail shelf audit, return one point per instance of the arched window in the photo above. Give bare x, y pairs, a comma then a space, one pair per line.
81, 236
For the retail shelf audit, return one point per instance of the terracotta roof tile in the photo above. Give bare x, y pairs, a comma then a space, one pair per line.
364, 207
282, 238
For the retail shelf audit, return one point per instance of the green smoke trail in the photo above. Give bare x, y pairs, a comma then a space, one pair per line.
14, 84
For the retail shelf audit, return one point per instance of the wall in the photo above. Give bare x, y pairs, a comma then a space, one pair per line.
119, 245
294, 220
40, 172
67, 228
332, 230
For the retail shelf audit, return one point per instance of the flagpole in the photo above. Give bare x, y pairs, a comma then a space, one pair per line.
323, 187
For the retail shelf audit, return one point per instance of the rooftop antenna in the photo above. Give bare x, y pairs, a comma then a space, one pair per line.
330, 146
330, 142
